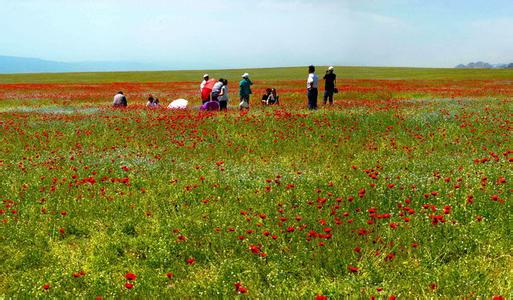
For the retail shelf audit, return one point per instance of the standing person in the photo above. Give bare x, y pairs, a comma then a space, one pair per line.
244, 91
312, 84
223, 96
120, 100
205, 79
202, 85
329, 85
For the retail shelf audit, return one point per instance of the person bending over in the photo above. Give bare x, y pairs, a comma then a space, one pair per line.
120, 100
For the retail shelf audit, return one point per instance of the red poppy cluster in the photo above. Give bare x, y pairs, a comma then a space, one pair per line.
370, 187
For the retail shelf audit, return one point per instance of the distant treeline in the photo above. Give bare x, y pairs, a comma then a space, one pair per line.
484, 65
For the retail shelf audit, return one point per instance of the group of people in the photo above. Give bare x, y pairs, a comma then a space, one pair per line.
153, 102
270, 97
312, 87
215, 95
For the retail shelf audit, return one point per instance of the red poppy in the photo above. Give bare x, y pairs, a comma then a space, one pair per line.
239, 288
130, 276
255, 249
353, 269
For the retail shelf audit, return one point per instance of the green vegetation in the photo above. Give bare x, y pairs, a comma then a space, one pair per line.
400, 188
296, 73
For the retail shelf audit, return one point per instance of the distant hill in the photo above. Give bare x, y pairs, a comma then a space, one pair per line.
11, 64
484, 65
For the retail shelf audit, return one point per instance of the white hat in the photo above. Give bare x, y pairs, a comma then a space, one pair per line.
330, 68
206, 75
245, 75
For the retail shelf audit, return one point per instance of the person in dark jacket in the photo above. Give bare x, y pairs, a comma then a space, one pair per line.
329, 85
245, 91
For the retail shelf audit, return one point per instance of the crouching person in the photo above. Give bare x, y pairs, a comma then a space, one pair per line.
120, 100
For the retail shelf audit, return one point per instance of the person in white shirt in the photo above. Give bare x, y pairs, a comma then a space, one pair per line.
153, 102
119, 100
216, 89
223, 96
205, 79
312, 84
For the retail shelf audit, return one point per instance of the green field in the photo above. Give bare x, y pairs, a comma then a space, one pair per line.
403, 188
261, 74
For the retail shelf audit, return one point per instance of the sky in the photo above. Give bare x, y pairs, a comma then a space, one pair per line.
260, 33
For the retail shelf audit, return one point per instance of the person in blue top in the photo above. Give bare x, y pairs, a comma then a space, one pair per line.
244, 91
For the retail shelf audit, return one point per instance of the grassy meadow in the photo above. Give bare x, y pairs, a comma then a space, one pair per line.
403, 188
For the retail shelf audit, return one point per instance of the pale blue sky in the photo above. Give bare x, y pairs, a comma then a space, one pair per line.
255, 33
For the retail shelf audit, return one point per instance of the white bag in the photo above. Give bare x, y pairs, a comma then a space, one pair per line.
244, 104
178, 104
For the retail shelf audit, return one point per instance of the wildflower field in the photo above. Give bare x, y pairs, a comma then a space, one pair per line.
403, 188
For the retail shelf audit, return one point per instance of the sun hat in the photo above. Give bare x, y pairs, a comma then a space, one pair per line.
330, 68
245, 75
205, 76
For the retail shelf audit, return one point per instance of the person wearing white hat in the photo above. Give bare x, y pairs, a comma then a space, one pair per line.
329, 85
244, 91
205, 79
